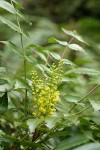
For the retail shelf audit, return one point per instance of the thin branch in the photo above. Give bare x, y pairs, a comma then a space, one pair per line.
67, 46
84, 97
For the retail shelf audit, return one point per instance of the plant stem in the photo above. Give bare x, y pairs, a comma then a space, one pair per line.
22, 48
67, 46
81, 110
84, 97
25, 100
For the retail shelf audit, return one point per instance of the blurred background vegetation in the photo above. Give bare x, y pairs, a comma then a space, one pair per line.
47, 18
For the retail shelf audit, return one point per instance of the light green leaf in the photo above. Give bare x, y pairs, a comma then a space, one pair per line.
71, 98
43, 68
21, 84
89, 146
31, 59
31, 46
7, 6
14, 47
10, 24
54, 40
3, 103
76, 47
66, 79
74, 34
55, 55
2, 69
51, 121
95, 104
87, 71
71, 142
41, 56
4, 87
68, 62
33, 123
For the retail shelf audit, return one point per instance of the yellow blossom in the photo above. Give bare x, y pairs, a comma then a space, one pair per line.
45, 94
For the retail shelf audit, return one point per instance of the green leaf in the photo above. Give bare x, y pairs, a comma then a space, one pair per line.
31, 46
54, 40
41, 56
55, 55
21, 84
74, 34
71, 142
66, 79
90, 146
95, 104
51, 121
43, 68
71, 98
68, 62
17, 4
10, 24
2, 69
87, 71
31, 59
4, 87
14, 47
7, 6
24, 18
3, 103
21, 142
76, 47
33, 123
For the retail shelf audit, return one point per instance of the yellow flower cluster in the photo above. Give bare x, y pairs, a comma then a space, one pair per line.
45, 94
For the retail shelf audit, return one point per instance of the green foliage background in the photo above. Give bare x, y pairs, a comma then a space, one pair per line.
76, 124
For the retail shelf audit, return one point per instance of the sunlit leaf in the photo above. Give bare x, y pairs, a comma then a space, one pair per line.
7, 6
76, 47
42, 56
68, 62
71, 98
89, 146
87, 71
55, 55
4, 87
33, 123
95, 104
2, 69
74, 34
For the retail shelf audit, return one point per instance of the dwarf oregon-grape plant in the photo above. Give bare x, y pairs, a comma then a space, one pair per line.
42, 105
